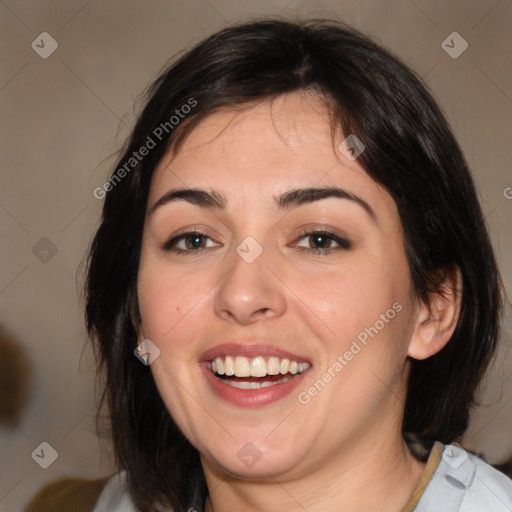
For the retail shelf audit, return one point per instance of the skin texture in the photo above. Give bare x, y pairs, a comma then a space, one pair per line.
343, 450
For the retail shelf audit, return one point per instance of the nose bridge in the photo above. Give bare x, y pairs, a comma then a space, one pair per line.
249, 290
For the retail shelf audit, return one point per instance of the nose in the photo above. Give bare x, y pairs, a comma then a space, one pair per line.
250, 292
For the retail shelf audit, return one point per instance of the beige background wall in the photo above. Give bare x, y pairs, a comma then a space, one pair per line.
62, 116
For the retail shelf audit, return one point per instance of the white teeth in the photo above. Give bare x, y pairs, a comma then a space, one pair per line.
240, 366
229, 366
255, 384
219, 364
273, 366
246, 385
285, 364
258, 367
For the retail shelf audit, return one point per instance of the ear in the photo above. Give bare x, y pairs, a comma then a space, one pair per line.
437, 320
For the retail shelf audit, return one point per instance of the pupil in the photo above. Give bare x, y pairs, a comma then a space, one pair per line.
319, 240
195, 241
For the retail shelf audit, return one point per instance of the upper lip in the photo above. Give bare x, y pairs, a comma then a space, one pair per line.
250, 350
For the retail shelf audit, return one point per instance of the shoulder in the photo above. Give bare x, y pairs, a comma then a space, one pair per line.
464, 482
490, 485
67, 494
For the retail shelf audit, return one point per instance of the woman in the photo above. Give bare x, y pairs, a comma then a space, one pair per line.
293, 248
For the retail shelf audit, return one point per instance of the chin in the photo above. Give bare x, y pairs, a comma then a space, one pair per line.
254, 464
248, 456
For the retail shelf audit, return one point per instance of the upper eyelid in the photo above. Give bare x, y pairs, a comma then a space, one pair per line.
341, 240
180, 236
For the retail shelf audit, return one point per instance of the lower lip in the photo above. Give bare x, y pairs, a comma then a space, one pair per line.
251, 397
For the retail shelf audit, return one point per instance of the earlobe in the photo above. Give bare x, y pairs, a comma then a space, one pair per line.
436, 321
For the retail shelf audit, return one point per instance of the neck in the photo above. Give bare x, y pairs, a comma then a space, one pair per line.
375, 473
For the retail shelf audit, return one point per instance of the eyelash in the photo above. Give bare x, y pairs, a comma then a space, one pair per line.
343, 243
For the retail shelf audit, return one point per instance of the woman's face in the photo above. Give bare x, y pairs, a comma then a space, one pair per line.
288, 257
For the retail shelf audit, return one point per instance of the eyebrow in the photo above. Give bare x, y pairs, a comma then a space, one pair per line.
289, 199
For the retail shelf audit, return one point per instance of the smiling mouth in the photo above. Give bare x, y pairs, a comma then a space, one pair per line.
258, 372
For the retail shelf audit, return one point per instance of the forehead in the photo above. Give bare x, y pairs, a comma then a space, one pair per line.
266, 148
290, 124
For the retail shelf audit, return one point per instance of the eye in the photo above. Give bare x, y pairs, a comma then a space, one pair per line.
189, 242
322, 242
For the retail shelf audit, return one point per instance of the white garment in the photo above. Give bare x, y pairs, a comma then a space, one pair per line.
461, 482
114, 497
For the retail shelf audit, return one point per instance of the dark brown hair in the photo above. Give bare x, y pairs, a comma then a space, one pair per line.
410, 151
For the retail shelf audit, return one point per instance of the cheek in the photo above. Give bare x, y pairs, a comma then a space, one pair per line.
171, 310
349, 299
169, 300
363, 309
